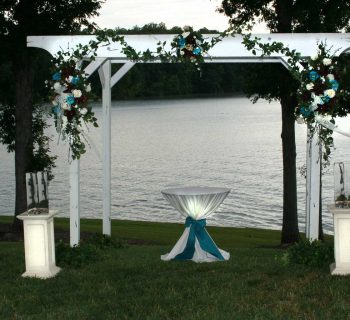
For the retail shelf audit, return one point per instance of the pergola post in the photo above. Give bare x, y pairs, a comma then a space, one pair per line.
108, 82
313, 175
105, 77
74, 186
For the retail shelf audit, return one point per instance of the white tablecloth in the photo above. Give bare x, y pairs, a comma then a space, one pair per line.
197, 203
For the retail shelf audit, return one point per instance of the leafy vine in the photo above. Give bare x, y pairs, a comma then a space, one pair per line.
320, 95
70, 91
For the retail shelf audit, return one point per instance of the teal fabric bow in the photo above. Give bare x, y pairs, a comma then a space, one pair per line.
197, 230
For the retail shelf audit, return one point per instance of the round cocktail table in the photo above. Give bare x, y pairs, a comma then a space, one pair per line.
196, 204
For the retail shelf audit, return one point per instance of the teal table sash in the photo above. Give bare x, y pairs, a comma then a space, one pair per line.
197, 230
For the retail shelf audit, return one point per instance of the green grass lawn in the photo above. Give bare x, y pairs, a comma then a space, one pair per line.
133, 283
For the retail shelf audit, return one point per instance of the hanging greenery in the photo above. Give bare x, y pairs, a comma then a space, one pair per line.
70, 94
321, 95
70, 91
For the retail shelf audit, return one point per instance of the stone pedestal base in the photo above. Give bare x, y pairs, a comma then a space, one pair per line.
340, 269
42, 274
39, 245
341, 218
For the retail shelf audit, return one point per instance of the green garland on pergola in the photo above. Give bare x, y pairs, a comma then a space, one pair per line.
321, 96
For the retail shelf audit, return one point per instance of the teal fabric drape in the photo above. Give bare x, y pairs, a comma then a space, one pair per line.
198, 231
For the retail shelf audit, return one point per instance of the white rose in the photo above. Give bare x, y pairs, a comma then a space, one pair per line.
65, 106
316, 101
54, 102
88, 87
309, 86
83, 111
57, 86
79, 128
313, 106
77, 93
330, 77
330, 93
327, 61
313, 58
64, 121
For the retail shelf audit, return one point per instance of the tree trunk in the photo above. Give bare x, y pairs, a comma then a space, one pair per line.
284, 9
290, 229
23, 134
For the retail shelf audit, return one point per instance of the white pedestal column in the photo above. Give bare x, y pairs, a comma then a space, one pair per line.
39, 245
341, 218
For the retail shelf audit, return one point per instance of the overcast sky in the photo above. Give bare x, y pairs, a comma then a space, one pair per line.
196, 13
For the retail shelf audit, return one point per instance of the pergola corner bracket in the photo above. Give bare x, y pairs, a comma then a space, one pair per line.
121, 72
93, 65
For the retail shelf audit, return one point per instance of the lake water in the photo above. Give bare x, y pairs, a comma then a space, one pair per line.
226, 142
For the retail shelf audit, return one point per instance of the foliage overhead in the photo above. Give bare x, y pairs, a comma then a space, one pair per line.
18, 19
289, 15
284, 16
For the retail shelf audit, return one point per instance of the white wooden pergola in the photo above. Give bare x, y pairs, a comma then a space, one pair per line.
230, 50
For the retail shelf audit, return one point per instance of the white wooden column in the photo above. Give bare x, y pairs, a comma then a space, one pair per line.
74, 178
74, 186
105, 77
313, 166
107, 83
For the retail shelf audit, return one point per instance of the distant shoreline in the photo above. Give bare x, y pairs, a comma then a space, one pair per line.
181, 97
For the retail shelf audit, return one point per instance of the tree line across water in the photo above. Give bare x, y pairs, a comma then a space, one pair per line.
156, 80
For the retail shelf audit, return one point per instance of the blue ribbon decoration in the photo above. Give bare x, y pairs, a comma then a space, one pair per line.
197, 230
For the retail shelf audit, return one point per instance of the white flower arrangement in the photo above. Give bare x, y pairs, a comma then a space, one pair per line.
319, 88
319, 96
70, 94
